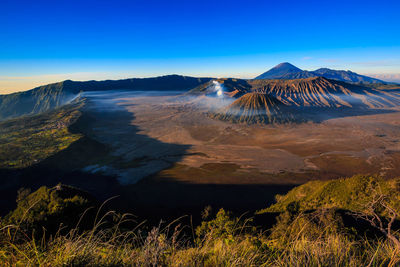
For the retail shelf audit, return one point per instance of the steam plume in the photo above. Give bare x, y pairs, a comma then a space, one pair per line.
218, 88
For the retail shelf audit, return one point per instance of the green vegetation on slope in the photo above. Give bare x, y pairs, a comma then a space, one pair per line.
346, 193
28, 140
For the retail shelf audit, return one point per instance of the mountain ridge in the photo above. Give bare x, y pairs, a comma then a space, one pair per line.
286, 70
299, 100
318, 92
46, 97
323, 92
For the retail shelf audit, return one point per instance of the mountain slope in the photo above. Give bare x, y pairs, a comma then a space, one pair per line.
36, 100
50, 96
322, 92
29, 140
279, 71
288, 71
346, 193
279, 101
256, 107
230, 86
298, 75
346, 76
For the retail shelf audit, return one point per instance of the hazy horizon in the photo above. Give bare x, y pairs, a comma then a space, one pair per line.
47, 42
13, 84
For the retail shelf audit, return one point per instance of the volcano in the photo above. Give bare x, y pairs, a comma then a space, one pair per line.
256, 107
231, 87
298, 100
326, 93
288, 71
282, 70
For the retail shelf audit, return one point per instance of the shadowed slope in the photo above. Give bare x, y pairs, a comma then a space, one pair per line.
343, 75
37, 100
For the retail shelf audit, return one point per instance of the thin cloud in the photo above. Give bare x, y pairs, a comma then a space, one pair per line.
390, 77
377, 63
330, 60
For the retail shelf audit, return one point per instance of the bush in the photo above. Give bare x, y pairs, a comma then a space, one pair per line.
51, 208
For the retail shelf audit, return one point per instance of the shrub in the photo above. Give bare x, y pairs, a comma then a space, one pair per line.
50, 208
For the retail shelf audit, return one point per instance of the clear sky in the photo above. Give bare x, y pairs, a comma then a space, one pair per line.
48, 41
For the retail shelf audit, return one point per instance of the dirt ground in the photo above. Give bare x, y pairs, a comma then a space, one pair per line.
159, 134
170, 158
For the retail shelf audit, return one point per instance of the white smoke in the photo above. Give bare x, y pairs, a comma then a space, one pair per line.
218, 88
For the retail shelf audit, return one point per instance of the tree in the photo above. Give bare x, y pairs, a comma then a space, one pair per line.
381, 215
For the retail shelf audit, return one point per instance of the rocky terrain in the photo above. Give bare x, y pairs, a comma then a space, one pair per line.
256, 107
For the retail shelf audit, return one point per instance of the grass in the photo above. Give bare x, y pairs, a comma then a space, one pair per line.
346, 193
317, 238
168, 246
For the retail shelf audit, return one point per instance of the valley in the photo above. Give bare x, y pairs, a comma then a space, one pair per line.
168, 152
170, 157
199, 133
171, 153
369, 143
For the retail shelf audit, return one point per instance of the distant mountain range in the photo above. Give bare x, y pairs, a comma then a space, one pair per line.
333, 83
50, 96
288, 71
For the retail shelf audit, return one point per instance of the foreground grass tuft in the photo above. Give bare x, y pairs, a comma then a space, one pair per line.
316, 237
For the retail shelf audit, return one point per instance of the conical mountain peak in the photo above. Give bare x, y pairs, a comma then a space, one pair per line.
256, 107
279, 70
286, 66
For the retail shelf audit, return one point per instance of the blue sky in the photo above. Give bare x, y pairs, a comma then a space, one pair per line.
47, 41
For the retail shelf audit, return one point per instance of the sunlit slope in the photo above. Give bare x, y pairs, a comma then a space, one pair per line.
256, 107
29, 140
347, 193
322, 92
